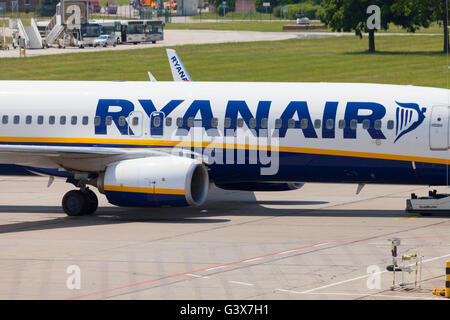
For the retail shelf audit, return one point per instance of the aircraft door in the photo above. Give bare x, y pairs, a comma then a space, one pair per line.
439, 128
135, 124
157, 123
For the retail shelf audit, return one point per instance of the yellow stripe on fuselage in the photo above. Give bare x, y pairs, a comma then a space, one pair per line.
168, 143
144, 190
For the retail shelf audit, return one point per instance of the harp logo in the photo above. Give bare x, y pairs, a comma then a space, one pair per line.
408, 117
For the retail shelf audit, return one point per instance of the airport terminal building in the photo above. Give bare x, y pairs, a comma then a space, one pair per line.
19, 5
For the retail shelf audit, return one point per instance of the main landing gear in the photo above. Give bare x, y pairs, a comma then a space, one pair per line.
80, 202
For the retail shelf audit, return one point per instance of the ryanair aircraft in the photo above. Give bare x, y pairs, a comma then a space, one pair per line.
155, 143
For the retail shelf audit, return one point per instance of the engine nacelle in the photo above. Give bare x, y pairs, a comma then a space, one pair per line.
261, 186
155, 181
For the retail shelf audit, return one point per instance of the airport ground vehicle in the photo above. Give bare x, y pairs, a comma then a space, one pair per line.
89, 32
105, 40
138, 31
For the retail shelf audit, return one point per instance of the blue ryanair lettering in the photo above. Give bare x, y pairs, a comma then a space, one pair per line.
301, 108
235, 107
329, 113
351, 112
149, 107
179, 69
408, 115
204, 107
103, 111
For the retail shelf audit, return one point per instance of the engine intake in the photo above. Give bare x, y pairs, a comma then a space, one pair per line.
155, 181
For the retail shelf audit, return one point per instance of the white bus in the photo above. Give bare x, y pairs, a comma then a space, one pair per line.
89, 32
137, 31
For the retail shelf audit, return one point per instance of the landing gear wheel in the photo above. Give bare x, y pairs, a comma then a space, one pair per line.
74, 203
92, 201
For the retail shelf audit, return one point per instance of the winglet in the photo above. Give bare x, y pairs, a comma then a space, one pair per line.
152, 78
179, 71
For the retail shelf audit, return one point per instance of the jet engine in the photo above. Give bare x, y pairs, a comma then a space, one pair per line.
155, 181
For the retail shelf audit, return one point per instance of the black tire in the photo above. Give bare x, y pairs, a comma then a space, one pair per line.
75, 203
92, 201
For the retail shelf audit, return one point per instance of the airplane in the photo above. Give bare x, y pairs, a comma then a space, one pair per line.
152, 144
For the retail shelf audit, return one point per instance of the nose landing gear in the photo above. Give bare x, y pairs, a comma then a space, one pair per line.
80, 202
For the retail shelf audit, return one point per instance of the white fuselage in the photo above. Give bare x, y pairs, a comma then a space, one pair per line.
338, 126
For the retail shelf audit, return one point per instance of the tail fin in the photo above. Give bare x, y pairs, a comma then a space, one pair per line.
179, 72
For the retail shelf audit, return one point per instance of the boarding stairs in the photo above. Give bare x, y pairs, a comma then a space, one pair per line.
34, 36
54, 30
33, 39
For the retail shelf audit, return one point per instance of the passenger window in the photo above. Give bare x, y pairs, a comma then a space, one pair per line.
190, 122
73, 120
264, 123
317, 123
291, 123
240, 122
378, 124
5, 119
16, 119
353, 124
227, 122
135, 121
85, 120
330, 124
341, 124
214, 122
40, 119
304, 123
168, 122
179, 122
108, 120
51, 120
121, 121
97, 121
156, 121
366, 124
252, 123
28, 119
278, 123
62, 120
390, 124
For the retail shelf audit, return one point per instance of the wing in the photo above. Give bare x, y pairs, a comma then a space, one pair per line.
80, 159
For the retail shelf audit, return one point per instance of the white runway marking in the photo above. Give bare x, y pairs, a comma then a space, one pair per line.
214, 268
288, 291
243, 283
367, 275
360, 294
251, 260
196, 276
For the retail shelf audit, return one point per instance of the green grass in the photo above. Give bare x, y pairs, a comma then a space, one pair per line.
237, 26
236, 16
277, 26
400, 60
119, 2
